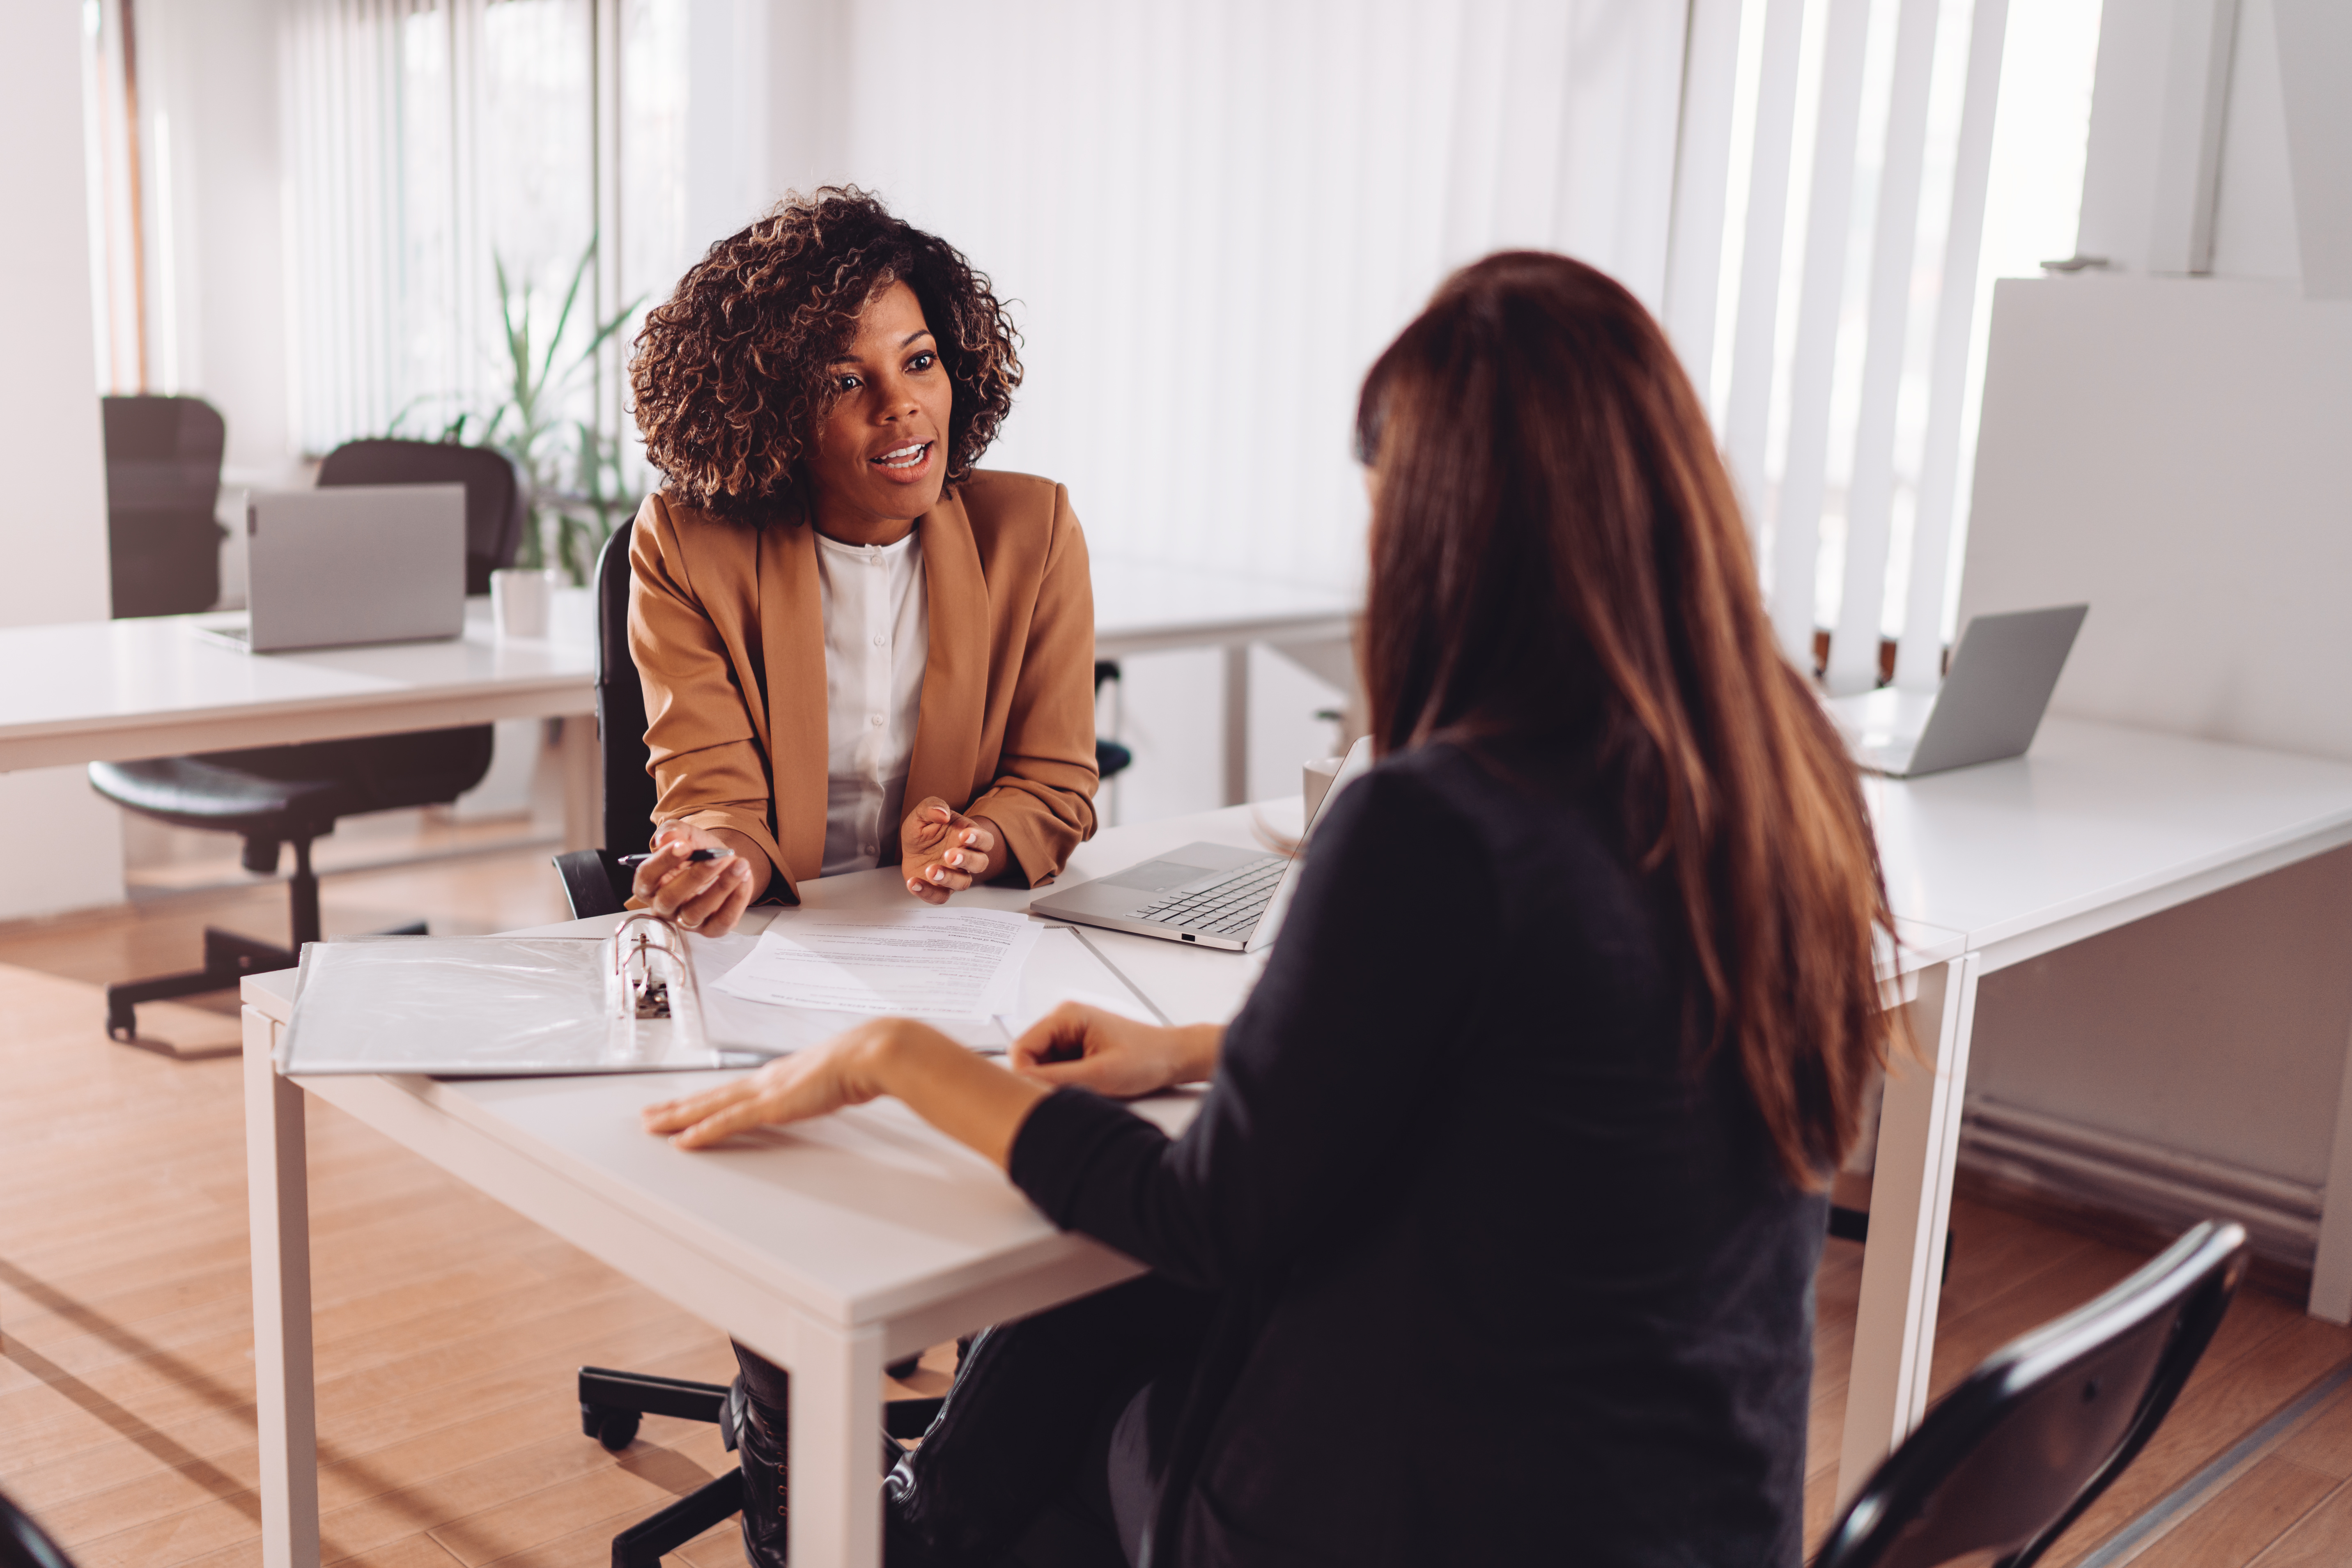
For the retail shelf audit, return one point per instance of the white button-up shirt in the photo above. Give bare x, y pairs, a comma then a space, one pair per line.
876, 635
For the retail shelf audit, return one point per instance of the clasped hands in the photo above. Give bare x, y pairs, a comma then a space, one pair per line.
957, 1091
941, 851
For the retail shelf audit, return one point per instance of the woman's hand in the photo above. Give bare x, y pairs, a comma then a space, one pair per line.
971, 1099
1087, 1048
942, 851
845, 1070
706, 896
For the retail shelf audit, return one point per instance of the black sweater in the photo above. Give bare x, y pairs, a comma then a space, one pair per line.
1507, 1278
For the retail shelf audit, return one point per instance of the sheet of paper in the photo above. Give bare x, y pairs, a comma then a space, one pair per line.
915, 963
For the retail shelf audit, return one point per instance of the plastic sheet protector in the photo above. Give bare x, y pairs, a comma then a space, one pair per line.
463, 1008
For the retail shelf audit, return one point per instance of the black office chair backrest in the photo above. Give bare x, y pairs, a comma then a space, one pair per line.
2030, 1439
495, 501
163, 482
23, 1543
620, 707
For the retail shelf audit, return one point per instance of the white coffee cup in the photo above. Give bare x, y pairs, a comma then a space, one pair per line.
518, 601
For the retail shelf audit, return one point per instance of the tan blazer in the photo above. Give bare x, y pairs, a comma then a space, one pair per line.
724, 622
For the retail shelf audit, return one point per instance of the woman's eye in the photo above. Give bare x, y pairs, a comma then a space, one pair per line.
848, 383
923, 362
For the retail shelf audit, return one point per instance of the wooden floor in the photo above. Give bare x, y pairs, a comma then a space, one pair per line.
448, 1328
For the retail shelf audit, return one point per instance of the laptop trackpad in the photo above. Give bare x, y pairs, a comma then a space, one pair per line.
1154, 875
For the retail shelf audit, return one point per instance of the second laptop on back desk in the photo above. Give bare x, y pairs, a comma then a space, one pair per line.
353, 564
1989, 706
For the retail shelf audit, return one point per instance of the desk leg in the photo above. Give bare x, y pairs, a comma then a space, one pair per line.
837, 1446
584, 783
278, 1194
2331, 1271
1910, 1208
1237, 684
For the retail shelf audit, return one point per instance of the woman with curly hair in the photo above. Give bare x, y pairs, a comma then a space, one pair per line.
857, 648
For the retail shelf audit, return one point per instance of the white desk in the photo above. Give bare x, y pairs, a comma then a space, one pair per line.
97, 691
1142, 608
2096, 828
832, 1250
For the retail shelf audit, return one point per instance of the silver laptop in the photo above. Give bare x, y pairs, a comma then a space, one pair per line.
1212, 895
1989, 707
353, 564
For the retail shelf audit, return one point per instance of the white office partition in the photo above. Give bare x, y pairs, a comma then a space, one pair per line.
2172, 451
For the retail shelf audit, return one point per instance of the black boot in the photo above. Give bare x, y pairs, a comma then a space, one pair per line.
759, 1443
758, 1432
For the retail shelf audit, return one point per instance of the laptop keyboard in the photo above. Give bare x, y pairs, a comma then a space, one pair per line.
1227, 907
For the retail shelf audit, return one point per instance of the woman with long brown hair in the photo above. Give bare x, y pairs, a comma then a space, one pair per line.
1493, 1239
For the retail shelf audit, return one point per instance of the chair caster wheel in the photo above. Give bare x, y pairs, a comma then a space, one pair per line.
615, 1430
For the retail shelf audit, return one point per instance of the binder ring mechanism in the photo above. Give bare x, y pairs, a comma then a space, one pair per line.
652, 1005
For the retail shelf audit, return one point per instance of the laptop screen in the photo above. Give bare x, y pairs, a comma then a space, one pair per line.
1359, 762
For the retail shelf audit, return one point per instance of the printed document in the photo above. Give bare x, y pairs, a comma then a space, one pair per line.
917, 963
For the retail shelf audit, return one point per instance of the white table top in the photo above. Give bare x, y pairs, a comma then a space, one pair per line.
113, 690
2095, 826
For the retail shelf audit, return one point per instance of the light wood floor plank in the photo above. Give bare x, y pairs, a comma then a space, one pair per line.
2233, 1530
2320, 1538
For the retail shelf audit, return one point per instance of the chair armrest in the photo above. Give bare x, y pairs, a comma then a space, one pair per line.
592, 883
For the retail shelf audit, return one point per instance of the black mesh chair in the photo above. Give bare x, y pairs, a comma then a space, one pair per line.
163, 481
2016, 1453
275, 796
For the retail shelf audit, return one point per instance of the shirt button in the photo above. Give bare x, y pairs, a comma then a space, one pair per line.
879, 640
877, 721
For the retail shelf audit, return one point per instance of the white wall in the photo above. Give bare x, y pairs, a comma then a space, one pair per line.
65, 844
209, 72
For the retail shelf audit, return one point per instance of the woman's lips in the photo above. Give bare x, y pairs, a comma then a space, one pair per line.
905, 464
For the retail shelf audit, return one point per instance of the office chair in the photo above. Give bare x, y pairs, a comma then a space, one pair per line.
274, 795
163, 482
23, 1543
2015, 1454
610, 1406
594, 880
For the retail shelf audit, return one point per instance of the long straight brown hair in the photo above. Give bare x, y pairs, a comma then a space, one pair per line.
1557, 557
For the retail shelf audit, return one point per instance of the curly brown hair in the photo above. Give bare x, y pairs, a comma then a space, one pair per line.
729, 375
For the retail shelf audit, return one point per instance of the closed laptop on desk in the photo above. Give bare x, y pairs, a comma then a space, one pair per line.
353, 564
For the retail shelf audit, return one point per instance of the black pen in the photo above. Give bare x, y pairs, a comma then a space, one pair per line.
692, 856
